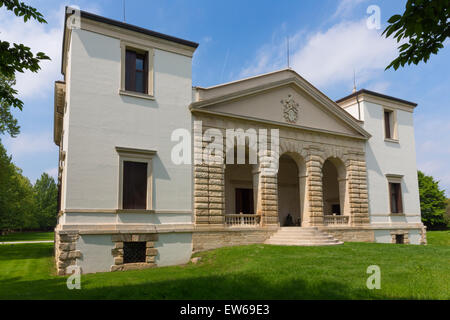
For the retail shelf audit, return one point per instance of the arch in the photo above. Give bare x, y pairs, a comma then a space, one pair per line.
291, 188
334, 186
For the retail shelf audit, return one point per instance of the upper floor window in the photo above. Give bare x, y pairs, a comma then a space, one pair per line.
390, 125
387, 124
136, 71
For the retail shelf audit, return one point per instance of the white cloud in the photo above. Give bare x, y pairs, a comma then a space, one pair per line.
30, 144
39, 37
432, 150
42, 37
330, 56
345, 7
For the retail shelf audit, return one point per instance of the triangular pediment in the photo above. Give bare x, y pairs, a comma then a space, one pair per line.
286, 99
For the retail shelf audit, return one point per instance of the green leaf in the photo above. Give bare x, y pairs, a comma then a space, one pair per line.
394, 18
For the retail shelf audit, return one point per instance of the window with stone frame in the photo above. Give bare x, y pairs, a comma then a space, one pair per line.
134, 252
395, 196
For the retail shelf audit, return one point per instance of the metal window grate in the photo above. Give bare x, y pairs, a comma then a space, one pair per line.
399, 238
133, 252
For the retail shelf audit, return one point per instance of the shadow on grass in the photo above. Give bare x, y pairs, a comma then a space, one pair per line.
228, 287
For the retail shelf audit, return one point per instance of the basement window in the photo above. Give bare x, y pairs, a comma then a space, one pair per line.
134, 252
399, 239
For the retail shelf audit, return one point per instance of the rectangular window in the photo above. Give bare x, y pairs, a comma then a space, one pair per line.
134, 185
395, 194
136, 71
134, 252
244, 201
388, 124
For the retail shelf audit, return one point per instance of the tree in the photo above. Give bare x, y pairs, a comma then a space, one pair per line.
45, 195
7, 122
15, 58
17, 205
425, 25
433, 202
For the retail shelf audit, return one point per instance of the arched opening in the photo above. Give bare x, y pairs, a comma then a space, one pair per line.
239, 191
240, 183
289, 205
333, 187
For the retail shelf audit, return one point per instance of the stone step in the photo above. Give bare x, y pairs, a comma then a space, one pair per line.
284, 238
301, 236
306, 243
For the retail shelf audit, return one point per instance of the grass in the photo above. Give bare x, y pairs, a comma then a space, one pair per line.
246, 272
439, 237
27, 236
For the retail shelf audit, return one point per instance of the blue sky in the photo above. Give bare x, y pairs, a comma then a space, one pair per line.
328, 40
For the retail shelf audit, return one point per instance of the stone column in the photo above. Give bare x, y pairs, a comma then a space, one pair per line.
304, 212
343, 196
201, 194
269, 199
357, 190
268, 185
216, 188
209, 194
314, 193
256, 190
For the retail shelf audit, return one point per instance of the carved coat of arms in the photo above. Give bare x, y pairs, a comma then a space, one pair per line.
290, 109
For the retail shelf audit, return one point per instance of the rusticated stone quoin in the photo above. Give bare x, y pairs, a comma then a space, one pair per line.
65, 250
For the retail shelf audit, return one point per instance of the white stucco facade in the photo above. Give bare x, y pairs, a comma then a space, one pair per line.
388, 157
98, 125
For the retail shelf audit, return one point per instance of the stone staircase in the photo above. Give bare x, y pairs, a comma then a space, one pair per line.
301, 236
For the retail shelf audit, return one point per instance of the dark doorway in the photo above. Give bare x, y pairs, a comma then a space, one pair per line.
244, 201
336, 209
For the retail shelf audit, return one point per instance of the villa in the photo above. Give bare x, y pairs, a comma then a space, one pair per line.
346, 169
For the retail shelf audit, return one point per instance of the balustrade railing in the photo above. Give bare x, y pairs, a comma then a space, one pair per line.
242, 220
335, 220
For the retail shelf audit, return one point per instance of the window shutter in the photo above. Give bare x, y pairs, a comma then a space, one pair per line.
130, 70
146, 73
387, 124
399, 198
391, 203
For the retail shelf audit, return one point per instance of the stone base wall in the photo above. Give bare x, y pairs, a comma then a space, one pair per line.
65, 250
367, 234
351, 235
208, 240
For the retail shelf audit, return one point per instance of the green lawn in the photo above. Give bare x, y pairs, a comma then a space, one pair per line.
27, 236
439, 237
246, 272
